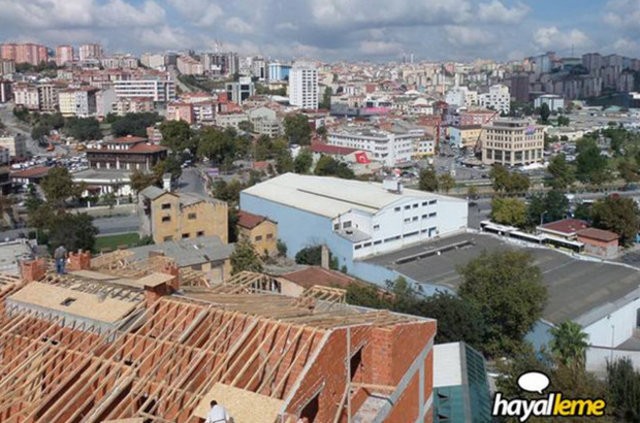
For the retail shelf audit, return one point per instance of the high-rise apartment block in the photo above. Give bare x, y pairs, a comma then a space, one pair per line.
303, 85
33, 54
64, 54
90, 51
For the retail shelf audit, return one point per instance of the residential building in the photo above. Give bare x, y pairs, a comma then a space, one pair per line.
265, 122
48, 96
259, 68
153, 61
26, 95
465, 136
303, 85
353, 219
224, 64
187, 65
318, 362
16, 145
160, 89
31, 53
460, 385
391, 147
126, 153
278, 71
232, 120
498, 98
475, 117
64, 55
103, 181
260, 231
178, 110
207, 254
461, 97
168, 216
90, 52
5, 156
512, 142
555, 102
105, 101
6, 94
239, 91
78, 102
7, 66
126, 105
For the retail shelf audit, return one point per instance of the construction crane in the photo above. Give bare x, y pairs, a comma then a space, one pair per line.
478, 147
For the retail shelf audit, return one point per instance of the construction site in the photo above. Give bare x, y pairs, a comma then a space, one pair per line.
118, 339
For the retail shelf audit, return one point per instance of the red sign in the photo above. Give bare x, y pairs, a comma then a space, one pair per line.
362, 158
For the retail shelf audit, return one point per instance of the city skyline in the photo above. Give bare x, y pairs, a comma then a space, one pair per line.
333, 30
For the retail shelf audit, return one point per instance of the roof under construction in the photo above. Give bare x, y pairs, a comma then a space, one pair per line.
95, 346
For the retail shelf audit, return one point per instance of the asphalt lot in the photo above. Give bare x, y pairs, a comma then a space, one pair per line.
575, 286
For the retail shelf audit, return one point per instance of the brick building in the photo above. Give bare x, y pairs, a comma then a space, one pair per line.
599, 242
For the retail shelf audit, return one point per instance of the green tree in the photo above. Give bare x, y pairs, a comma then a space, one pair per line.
472, 192
591, 166
549, 207
228, 191
83, 129
284, 162
217, 145
507, 287
428, 180
623, 382
244, 258
617, 214
282, 248
245, 126
328, 166
178, 136
140, 180
58, 186
545, 112
110, 200
508, 211
563, 120
446, 182
40, 131
562, 173
297, 129
366, 295
325, 103
499, 177
74, 231
322, 132
569, 344
134, 124
303, 162
628, 169
313, 256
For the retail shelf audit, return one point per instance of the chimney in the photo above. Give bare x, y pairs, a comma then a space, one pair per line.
324, 257
173, 270
80, 260
33, 270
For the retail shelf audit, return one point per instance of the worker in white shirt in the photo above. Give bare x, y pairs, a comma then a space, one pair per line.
218, 414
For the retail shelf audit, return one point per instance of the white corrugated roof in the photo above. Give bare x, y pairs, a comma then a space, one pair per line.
331, 197
447, 365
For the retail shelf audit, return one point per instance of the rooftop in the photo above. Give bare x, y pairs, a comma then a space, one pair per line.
565, 226
598, 235
249, 220
188, 252
316, 275
331, 197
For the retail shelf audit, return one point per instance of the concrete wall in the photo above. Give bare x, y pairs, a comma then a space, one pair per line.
616, 327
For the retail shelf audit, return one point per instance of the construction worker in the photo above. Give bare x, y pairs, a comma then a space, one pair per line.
60, 255
218, 414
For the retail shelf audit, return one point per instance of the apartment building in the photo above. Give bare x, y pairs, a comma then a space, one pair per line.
239, 91
512, 142
90, 52
466, 136
187, 65
153, 61
303, 85
461, 97
498, 98
48, 96
123, 106
78, 102
64, 55
26, 95
31, 53
17, 146
178, 110
6, 93
7, 66
168, 216
160, 89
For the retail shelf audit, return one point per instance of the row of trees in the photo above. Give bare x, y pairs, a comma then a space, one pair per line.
430, 181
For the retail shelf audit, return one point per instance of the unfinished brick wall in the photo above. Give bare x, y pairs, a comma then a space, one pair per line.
80, 260
173, 270
33, 270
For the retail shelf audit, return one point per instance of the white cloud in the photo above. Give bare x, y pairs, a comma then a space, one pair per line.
238, 26
623, 14
200, 12
468, 36
163, 38
553, 38
497, 12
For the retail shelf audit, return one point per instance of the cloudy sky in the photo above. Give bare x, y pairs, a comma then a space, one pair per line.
333, 29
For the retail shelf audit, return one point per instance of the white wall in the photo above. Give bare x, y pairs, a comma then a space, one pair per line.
620, 326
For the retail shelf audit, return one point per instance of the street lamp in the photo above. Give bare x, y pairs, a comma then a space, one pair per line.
542, 217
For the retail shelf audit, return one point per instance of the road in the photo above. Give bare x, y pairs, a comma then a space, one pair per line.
19, 128
191, 181
117, 224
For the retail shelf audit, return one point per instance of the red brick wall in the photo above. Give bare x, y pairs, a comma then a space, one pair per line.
407, 407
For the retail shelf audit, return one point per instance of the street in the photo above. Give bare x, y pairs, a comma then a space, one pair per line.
16, 127
191, 181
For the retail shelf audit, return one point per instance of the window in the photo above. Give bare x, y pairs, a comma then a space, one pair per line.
407, 220
424, 216
168, 238
185, 236
376, 227
415, 218
432, 214
432, 202
258, 238
367, 244
415, 206
336, 226
166, 218
199, 234
424, 203
377, 242
191, 216
358, 247
269, 236
346, 225
407, 207
166, 206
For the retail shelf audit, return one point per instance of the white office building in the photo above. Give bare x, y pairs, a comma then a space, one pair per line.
555, 102
303, 85
159, 89
498, 98
461, 97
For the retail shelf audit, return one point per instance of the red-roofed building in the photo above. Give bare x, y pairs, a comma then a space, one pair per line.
316, 275
565, 228
331, 150
33, 175
126, 153
599, 242
262, 232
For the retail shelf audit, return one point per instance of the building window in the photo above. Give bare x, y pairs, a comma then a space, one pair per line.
336, 226
432, 202
168, 238
407, 207
377, 242
407, 220
357, 247
200, 234
346, 225
376, 227
415, 218
185, 236
258, 238
425, 203
191, 216
424, 216
432, 214
269, 236
166, 219
166, 206
415, 206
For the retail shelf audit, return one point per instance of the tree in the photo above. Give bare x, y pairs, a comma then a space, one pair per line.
178, 136
569, 344
428, 180
623, 383
282, 248
303, 162
508, 211
140, 180
563, 120
245, 126
58, 185
507, 287
619, 215
628, 169
322, 131
472, 192
74, 231
313, 257
228, 191
561, 171
325, 103
446, 182
110, 200
544, 113
297, 129
509, 182
284, 162
366, 295
591, 166
217, 145
458, 320
40, 131
551, 206
134, 124
244, 258
83, 129
328, 166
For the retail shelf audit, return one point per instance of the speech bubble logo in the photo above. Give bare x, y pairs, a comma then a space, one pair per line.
533, 382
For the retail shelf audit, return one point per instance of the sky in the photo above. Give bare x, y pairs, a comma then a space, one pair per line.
333, 30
